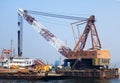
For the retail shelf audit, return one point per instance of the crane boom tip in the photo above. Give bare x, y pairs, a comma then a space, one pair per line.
20, 11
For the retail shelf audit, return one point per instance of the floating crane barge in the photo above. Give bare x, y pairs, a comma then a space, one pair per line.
92, 63
35, 75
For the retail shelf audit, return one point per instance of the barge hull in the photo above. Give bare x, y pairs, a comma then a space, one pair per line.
62, 74
93, 73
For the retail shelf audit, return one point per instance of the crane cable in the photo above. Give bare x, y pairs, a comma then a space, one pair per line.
56, 15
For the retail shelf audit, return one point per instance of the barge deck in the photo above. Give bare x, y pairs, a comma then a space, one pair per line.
60, 74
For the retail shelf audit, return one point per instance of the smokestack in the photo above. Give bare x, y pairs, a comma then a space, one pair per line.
19, 47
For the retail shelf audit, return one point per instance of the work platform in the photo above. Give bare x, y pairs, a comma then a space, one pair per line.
59, 74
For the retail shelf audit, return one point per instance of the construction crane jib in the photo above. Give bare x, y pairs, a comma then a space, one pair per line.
51, 38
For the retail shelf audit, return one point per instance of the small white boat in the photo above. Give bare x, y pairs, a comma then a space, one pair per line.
18, 61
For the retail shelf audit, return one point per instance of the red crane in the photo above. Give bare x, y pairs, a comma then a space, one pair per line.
73, 56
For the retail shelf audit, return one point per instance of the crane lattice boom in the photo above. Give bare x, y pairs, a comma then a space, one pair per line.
51, 38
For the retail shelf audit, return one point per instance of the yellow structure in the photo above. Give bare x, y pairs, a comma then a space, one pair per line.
42, 68
14, 67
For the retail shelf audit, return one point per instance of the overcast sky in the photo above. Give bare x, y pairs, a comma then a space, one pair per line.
107, 13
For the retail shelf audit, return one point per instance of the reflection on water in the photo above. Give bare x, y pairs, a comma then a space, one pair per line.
85, 80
